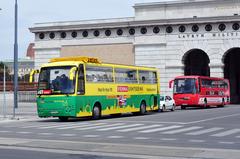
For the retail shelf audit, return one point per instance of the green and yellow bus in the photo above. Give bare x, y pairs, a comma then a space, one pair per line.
83, 86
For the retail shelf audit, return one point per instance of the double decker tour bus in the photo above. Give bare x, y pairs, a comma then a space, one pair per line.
83, 86
200, 91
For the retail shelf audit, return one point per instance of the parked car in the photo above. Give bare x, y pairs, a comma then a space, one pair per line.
167, 103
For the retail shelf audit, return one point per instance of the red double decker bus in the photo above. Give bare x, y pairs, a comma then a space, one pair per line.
190, 91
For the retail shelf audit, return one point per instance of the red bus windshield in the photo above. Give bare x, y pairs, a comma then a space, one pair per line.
185, 86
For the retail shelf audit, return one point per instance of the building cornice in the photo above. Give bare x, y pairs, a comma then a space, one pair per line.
180, 3
128, 22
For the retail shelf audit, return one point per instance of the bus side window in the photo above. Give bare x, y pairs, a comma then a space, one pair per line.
81, 81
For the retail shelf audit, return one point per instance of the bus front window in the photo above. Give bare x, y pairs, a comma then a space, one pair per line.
185, 86
56, 80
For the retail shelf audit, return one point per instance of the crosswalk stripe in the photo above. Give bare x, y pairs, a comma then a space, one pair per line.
56, 126
139, 128
226, 133
204, 131
101, 126
119, 127
160, 129
39, 125
181, 130
80, 126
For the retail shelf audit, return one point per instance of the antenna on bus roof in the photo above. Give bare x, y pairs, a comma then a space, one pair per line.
76, 58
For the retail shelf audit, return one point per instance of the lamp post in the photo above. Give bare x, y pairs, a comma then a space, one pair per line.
15, 60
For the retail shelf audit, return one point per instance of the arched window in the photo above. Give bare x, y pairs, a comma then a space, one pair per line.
169, 29
52, 35
208, 27
143, 30
182, 29
156, 29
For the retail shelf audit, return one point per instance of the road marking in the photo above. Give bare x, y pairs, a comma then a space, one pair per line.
37, 125
168, 139
24, 132
80, 126
204, 131
3, 131
119, 127
226, 133
101, 126
160, 129
141, 138
181, 130
139, 128
68, 135
91, 136
229, 143
197, 141
237, 136
221, 117
56, 126
45, 133
115, 137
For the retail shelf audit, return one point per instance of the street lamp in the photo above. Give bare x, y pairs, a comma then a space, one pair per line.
15, 60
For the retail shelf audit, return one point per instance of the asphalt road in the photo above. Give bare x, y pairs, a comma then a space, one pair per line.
192, 133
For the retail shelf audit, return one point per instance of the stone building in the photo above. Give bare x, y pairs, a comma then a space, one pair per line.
187, 37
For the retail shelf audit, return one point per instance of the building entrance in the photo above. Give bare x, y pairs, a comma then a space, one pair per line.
196, 62
232, 72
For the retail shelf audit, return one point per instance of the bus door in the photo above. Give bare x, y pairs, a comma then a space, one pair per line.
81, 80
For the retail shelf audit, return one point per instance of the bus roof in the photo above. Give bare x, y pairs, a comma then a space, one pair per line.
202, 77
74, 61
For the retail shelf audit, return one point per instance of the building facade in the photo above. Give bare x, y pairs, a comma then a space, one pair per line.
187, 37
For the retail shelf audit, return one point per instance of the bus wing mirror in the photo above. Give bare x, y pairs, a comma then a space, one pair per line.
170, 83
33, 72
72, 73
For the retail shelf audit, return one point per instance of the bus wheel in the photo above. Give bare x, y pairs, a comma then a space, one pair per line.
183, 107
96, 112
173, 108
205, 106
222, 105
143, 108
63, 118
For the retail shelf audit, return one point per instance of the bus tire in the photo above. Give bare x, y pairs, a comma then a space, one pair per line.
205, 106
223, 103
63, 118
173, 108
143, 108
96, 112
183, 107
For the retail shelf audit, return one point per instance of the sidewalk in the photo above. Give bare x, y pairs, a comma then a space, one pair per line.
24, 111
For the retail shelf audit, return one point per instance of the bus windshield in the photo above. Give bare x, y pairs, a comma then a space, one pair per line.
56, 80
185, 86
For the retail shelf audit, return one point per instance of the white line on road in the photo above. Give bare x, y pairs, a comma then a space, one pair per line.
168, 139
209, 119
3, 131
119, 127
68, 135
79, 126
139, 128
57, 126
204, 131
226, 133
24, 132
115, 137
101, 126
181, 130
141, 138
228, 143
91, 136
45, 133
161, 129
197, 141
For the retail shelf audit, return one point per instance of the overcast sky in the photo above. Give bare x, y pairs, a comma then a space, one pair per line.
35, 11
